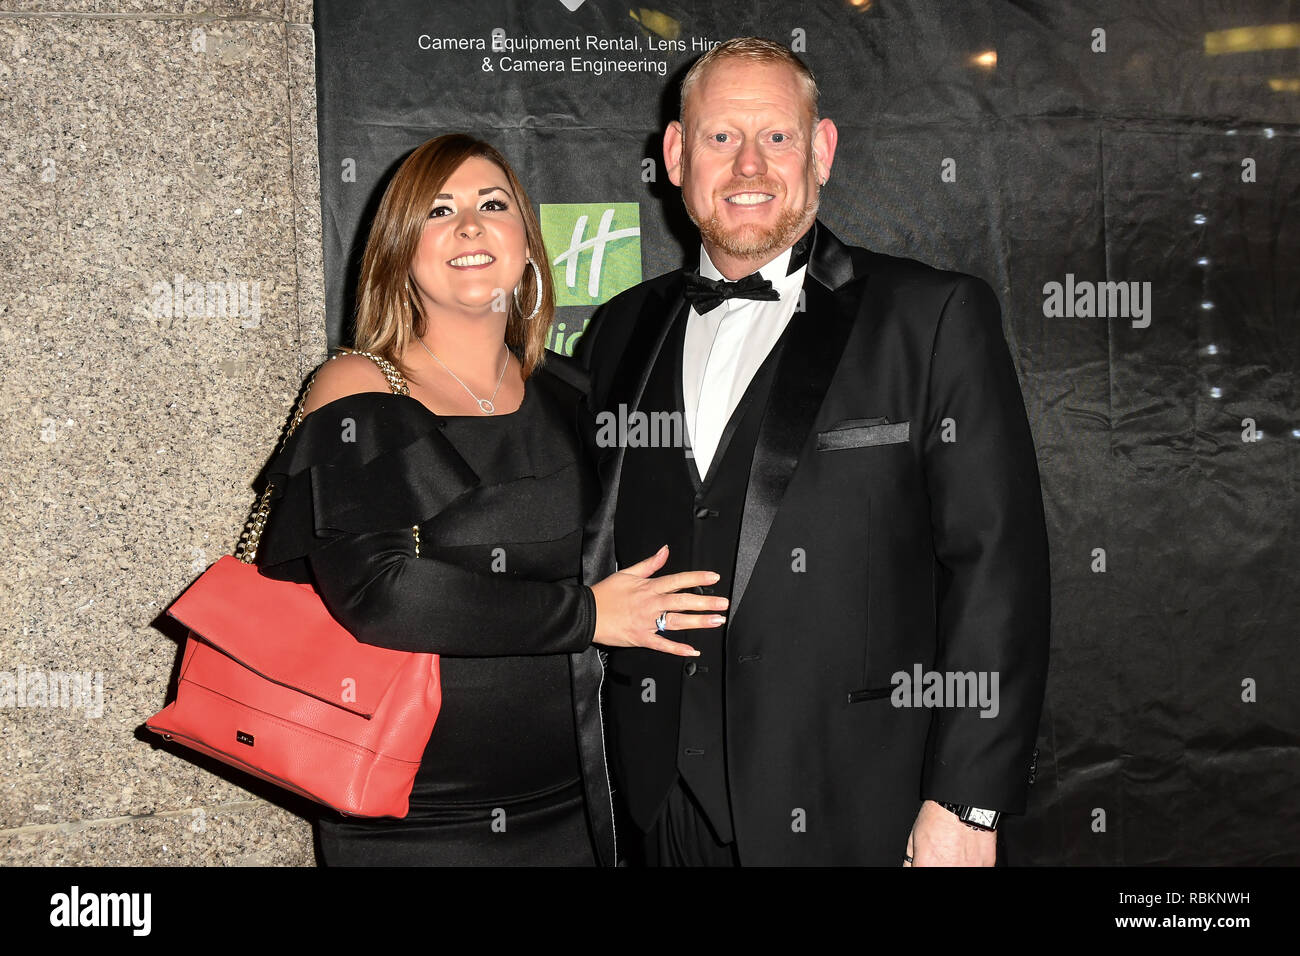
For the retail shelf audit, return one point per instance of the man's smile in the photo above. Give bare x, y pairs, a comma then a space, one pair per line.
749, 199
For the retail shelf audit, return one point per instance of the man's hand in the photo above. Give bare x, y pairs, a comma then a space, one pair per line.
938, 838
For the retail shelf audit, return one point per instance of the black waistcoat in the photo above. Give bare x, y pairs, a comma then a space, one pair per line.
661, 500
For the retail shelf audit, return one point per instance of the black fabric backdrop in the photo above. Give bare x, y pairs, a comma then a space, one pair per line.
1171, 730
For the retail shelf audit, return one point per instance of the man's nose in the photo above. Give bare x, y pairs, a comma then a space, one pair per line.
749, 160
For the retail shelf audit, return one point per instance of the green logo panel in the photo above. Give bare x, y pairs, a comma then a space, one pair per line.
595, 249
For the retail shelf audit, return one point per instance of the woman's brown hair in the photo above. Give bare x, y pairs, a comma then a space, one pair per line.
388, 309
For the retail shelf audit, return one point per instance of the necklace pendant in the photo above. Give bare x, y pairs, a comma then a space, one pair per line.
487, 406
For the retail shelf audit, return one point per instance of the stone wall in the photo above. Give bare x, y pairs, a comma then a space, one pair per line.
160, 305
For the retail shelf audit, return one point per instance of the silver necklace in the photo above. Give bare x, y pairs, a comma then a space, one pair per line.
485, 404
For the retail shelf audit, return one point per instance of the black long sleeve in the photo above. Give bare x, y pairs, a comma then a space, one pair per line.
990, 538
371, 461
374, 584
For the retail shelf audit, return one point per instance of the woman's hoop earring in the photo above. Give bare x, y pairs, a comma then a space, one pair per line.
537, 274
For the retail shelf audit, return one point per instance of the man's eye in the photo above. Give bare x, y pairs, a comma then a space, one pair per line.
496, 204
719, 137
779, 137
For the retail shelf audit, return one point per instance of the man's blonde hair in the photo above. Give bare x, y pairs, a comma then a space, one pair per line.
753, 50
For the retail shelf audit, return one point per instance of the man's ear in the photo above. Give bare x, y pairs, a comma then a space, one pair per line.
673, 152
825, 136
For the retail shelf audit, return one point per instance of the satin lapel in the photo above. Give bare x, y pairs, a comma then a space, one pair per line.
587, 674
812, 352
628, 386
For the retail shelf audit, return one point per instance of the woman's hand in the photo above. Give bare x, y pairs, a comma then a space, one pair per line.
629, 601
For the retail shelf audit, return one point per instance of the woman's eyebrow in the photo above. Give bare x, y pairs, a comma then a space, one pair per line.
482, 192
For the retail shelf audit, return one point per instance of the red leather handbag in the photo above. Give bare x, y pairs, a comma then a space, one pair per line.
272, 684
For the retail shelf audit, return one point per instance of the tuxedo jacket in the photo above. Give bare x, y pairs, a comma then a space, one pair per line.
893, 525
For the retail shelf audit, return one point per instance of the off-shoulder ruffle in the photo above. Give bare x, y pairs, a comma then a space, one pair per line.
375, 461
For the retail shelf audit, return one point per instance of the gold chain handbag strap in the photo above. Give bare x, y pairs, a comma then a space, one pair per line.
246, 550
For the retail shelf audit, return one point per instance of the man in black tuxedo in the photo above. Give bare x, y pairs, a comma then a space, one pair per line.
861, 474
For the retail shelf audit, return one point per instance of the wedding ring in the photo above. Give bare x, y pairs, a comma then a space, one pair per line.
661, 622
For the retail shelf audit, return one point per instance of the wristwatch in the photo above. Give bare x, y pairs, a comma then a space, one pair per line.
974, 817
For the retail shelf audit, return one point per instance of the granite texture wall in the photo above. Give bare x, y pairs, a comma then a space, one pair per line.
160, 306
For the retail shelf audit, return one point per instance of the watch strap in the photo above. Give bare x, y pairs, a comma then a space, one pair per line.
977, 818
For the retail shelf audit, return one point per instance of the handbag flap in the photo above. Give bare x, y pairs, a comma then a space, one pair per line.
282, 631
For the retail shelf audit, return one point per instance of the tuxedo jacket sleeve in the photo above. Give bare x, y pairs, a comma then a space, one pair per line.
990, 546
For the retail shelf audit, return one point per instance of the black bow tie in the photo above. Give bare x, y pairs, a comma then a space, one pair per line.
707, 294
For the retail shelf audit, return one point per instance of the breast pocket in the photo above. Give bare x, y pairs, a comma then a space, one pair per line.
862, 433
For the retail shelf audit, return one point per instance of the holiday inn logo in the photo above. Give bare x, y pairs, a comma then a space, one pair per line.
595, 249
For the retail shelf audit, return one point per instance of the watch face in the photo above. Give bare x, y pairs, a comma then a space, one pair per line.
983, 817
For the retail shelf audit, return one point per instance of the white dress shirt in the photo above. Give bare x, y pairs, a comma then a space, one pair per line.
725, 347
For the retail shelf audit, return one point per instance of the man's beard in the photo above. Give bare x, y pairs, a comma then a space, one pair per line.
753, 241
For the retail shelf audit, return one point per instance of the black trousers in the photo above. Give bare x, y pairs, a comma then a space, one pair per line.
681, 835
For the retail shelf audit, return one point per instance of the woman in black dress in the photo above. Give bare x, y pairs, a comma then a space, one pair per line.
435, 493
